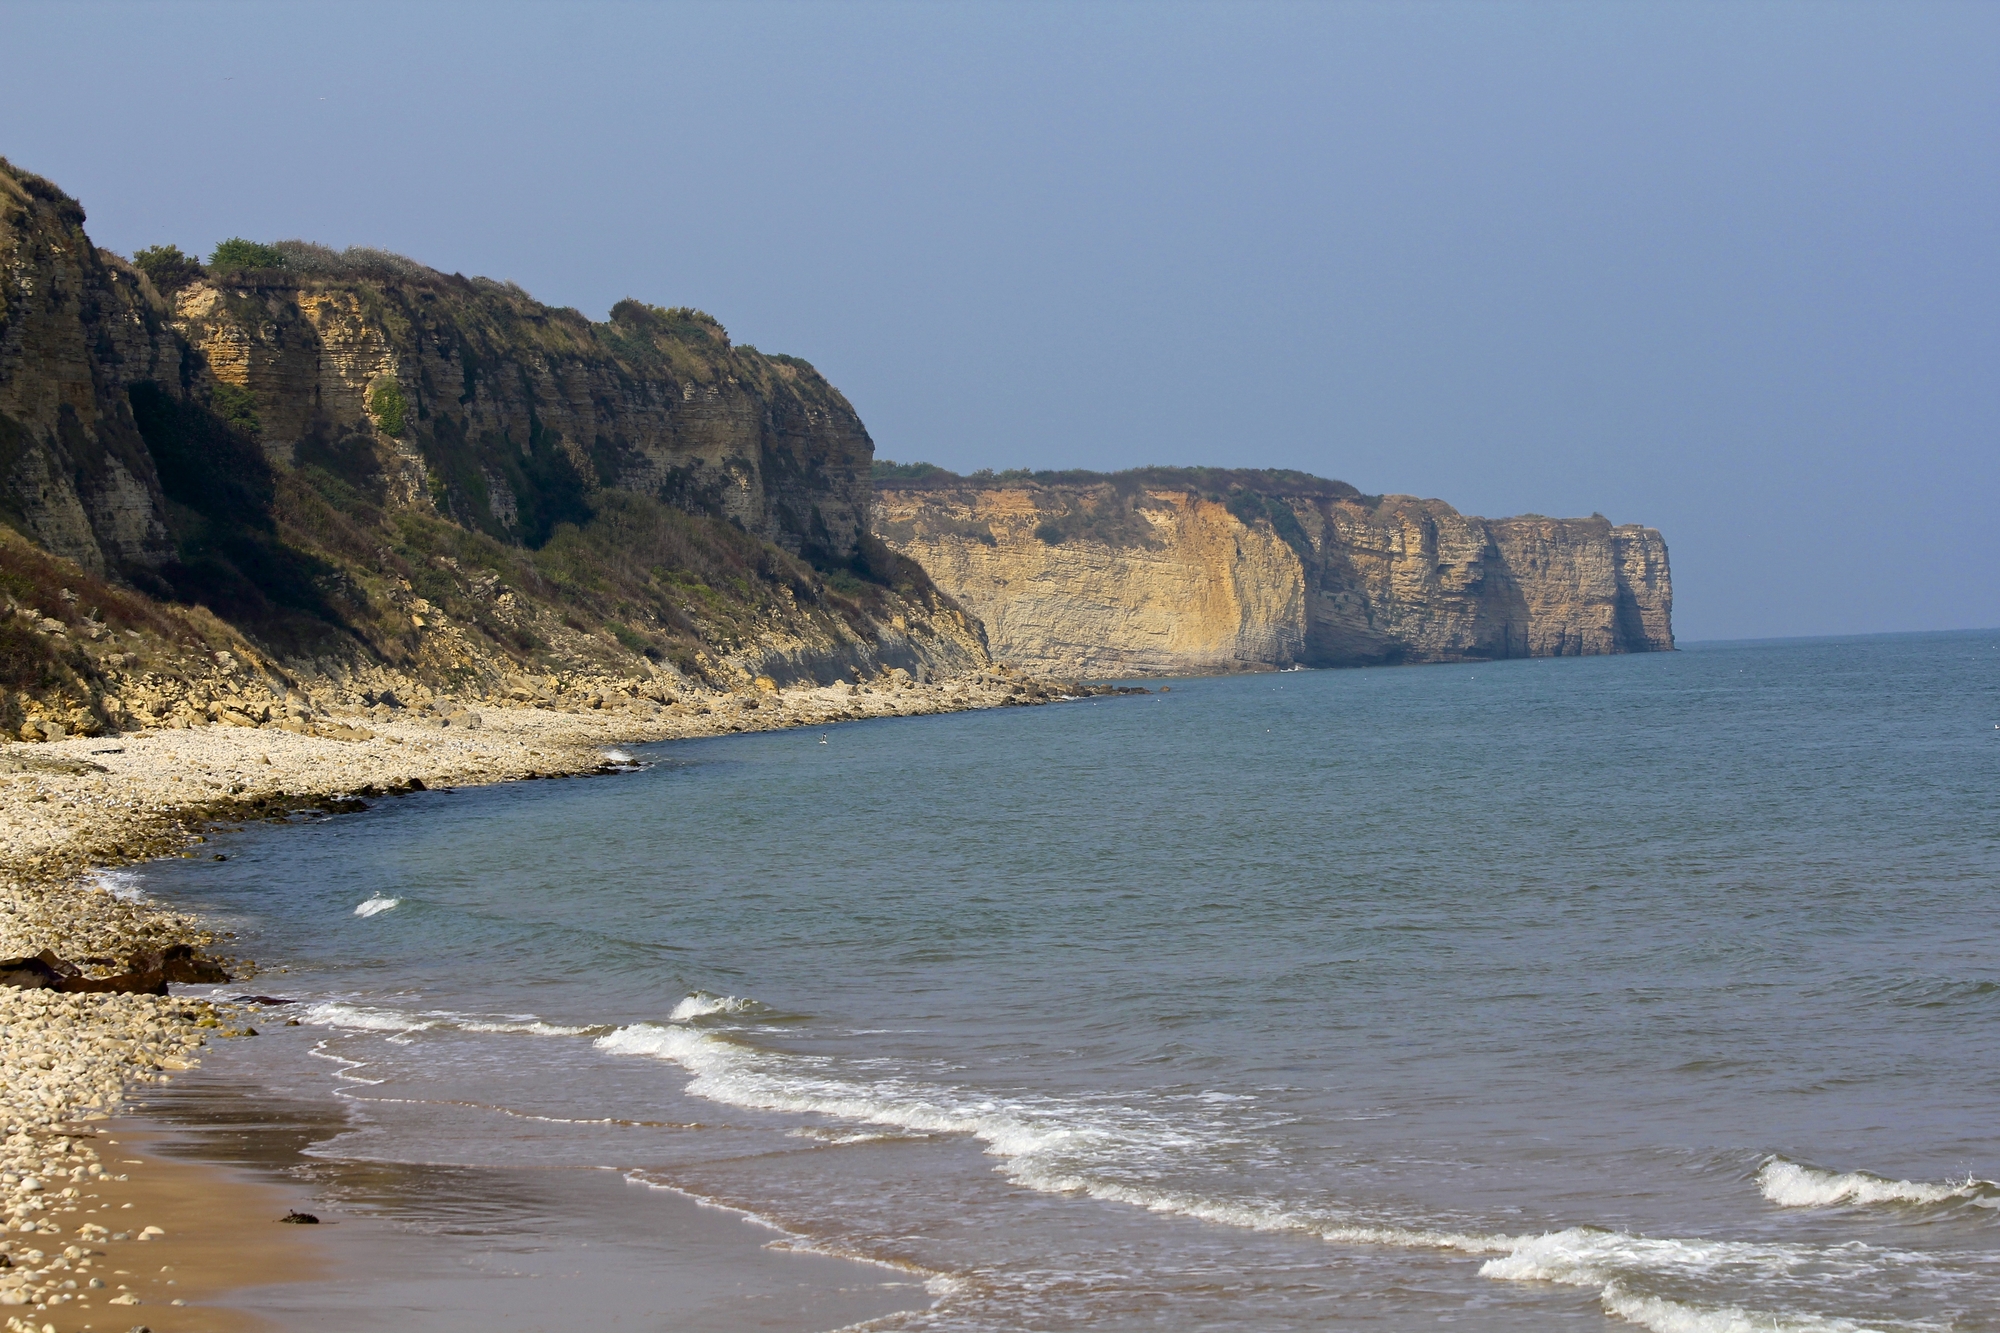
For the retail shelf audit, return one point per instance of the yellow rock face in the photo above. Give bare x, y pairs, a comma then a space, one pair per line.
1200, 593
1100, 581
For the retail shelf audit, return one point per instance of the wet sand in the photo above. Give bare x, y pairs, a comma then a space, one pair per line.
453, 1250
220, 1232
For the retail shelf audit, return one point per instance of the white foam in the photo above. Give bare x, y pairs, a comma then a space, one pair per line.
1611, 1260
617, 757
701, 1004
335, 1014
1795, 1185
1115, 1152
1102, 1150
534, 1026
374, 905
366, 1018
124, 885
1664, 1316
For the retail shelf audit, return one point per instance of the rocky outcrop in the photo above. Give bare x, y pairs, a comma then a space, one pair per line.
77, 328
1191, 571
147, 972
387, 477
474, 400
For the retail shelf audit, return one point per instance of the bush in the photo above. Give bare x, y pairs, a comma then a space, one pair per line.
884, 469
237, 406
169, 269
391, 409
236, 254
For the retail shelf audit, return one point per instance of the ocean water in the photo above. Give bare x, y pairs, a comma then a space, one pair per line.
1656, 992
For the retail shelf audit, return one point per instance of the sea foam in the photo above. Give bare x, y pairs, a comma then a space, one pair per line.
1613, 1261
701, 1004
1795, 1185
124, 885
1116, 1153
375, 905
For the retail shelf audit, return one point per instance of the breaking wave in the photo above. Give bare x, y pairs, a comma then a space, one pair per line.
1792, 1184
375, 905
124, 885
364, 1018
1117, 1152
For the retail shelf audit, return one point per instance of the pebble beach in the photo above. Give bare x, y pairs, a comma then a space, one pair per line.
73, 811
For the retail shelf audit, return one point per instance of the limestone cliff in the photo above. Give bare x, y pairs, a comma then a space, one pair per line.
1195, 570
377, 472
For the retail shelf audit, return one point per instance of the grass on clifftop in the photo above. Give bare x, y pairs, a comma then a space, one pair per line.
1212, 482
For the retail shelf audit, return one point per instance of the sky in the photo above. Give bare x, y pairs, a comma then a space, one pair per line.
1732, 271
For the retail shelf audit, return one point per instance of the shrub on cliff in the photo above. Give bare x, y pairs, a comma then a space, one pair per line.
313, 260
237, 406
390, 408
169, 269
235, 255
884, 469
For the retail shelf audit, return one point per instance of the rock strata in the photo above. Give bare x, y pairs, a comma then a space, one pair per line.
377, 476
1189, 571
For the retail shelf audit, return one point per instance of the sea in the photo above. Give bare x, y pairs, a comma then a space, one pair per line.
1655, 992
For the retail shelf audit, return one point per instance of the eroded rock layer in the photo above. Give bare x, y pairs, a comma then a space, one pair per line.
1164, 572
382, 476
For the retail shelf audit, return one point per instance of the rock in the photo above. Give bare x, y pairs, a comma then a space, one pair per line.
302, 1219
1156, 573
146, 973
29, 974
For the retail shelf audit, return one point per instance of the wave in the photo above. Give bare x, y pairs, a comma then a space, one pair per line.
1114, 1152
376, 904
124, 885
703, 1004
1617, 1264
1669, 1316
340, 1014
1792, 1184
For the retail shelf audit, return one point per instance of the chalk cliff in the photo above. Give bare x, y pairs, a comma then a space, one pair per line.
1200, 570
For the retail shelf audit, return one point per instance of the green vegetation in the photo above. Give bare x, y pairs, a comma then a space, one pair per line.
236, 255
389, 407
237, 406
885, 470
32, 578
1112, 519
169, 269
1211, 482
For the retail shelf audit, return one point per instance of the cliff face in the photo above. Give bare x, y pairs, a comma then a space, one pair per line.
376, 471
76, 330
509, 411
1163, 572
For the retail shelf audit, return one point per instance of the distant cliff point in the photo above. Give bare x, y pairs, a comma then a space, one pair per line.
1191, 570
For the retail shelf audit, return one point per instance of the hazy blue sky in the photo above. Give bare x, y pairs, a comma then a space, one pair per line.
1733, 271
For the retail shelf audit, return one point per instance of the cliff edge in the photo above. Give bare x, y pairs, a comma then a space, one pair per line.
1188, 571
378, 476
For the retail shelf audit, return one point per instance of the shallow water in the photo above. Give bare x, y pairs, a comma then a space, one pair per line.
1655, 991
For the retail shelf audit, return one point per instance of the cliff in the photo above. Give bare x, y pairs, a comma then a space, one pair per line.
372, 470
1200, 570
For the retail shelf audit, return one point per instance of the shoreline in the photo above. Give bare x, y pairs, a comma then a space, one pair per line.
76, 810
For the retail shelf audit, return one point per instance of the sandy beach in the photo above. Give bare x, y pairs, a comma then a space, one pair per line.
78, 1204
